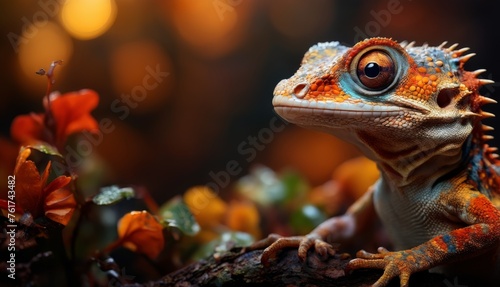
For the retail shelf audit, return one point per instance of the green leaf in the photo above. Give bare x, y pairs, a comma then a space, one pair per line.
294, 185
42, 153
306, 219
266, 188
225, 242
261, 185
231, 239
44, 148
112, 194
175, 213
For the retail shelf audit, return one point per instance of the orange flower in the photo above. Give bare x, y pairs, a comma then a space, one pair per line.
140, 231
55, 200
64, 115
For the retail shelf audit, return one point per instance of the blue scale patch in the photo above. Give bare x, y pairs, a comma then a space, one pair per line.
449, 243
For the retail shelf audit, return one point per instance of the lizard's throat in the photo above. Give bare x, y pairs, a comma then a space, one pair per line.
413, 162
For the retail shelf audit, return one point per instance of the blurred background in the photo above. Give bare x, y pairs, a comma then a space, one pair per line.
212, 67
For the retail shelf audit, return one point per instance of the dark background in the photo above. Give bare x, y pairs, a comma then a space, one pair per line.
223, 66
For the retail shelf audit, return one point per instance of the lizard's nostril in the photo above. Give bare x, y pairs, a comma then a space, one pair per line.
301, 90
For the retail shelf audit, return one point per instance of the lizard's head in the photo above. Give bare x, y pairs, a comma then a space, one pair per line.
385, 97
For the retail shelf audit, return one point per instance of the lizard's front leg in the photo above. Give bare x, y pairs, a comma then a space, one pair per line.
335, 229
481, 235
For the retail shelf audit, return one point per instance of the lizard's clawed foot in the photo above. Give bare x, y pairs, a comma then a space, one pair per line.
274, 243
398, 263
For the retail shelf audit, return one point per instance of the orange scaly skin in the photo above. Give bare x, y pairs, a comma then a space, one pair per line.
416, 112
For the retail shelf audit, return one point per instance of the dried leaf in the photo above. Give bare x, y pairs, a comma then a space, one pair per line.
208, 209
112, 194
54, 200
175, 213
205, 236
29, 185
60, 204
356, 175
141, 232
243, 216
330, 197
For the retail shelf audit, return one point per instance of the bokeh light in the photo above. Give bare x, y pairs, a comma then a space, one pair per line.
288, 17
131, 66
88, 19
211, 27
48, 43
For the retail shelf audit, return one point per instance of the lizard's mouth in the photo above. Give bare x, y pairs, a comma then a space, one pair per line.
290, 106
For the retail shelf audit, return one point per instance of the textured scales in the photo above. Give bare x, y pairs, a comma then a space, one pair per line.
417, 113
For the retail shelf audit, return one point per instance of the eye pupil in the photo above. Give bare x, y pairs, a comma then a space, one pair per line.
375, 70
372, 70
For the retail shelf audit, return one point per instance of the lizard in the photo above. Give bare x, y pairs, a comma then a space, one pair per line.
417, 113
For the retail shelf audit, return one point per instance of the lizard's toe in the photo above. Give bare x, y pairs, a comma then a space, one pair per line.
324, 249
359, 263
274, 243
394, 264
279, 244
320, 247
367, 255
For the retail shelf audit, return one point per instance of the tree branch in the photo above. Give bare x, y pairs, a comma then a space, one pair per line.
237, 268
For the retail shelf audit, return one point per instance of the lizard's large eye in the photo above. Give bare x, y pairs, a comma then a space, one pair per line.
375, 70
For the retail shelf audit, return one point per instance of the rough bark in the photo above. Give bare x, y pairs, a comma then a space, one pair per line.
238, 268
